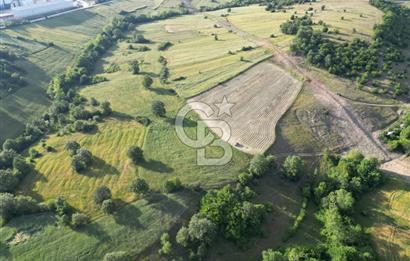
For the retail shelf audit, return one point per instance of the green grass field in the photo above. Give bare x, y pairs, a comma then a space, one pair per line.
69, 33
133, 228
387, 218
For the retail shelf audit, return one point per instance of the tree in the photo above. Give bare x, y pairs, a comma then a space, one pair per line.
21, 166
134, 67
72, 147
339, 198
8, 181
293, 167
79, 220
139, 186
244, 178
108, 206
102, 193
323, 7
147, 81
158, 108
200, 230
7, 205
136, 154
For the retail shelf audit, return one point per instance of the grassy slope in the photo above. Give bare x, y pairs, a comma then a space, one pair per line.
133, 228
165, 154
256, 20
196, 55
68, 33
388, 219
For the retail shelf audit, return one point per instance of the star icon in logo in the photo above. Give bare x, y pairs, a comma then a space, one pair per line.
224, 107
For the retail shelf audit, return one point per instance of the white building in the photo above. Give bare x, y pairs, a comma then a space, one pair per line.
23, 9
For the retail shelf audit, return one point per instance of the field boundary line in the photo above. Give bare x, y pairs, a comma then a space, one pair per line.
232, 77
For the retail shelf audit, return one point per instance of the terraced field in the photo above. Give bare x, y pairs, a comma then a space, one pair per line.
54, 175
258, 97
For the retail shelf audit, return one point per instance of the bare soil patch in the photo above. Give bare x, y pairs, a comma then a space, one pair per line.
260, 96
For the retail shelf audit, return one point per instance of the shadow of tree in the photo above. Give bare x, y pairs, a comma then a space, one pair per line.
189, 123
100, 168
156, 165
95, 230
128, 216
162, 91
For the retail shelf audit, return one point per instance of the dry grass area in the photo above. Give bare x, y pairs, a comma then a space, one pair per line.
259, 97
358, 14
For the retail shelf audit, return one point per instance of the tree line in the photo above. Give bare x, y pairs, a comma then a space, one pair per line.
360, 60
335, 186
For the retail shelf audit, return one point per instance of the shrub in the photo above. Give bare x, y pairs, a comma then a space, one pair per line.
158, 108
72, 147
147, 81
259, 165
166, 245
117, 256
108, 206
102, 193
79, 220
173, 185
139, 186
164, 46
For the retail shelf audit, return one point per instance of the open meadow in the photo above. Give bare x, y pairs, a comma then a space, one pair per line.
133, 228
386, 215
41, 60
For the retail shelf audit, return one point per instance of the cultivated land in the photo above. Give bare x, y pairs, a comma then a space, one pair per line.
260, 96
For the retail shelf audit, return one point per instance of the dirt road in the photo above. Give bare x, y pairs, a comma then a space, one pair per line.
352, 129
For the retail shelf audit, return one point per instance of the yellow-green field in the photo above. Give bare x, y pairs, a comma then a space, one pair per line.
386, 215
255, 20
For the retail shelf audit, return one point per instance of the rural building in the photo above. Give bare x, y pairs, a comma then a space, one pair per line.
23, 9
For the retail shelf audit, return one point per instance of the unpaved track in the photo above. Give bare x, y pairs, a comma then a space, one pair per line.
354, 132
